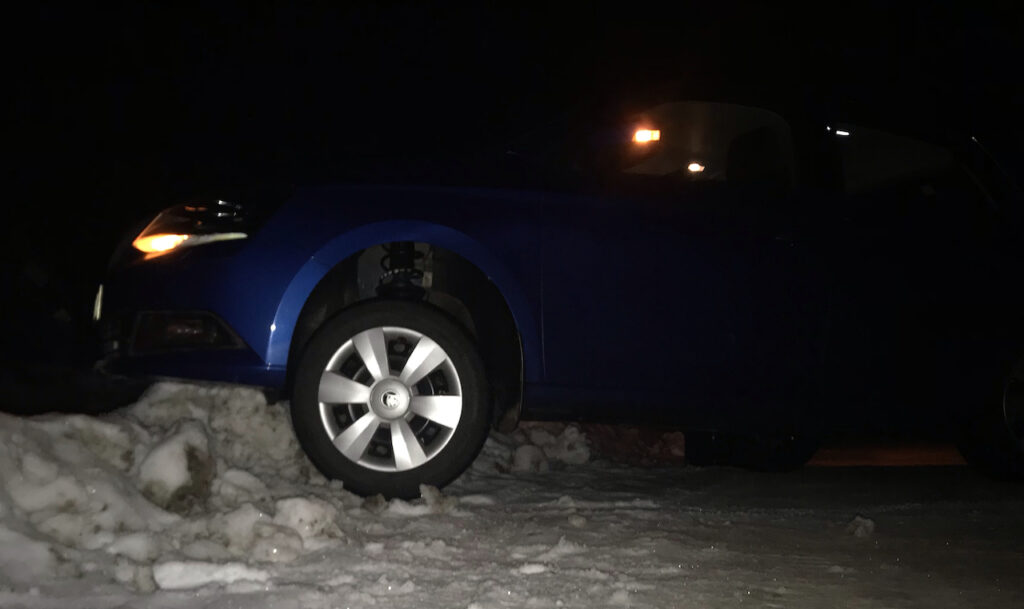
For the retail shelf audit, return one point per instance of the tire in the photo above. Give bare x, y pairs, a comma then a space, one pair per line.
389, 431
994, 441
764, 452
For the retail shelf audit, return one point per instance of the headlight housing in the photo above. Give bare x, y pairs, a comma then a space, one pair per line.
188, 225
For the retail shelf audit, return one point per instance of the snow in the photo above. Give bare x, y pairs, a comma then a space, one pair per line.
176, 575
567, 445
198, 496
24, 560
529, 458
861, 527
140, 547
177, 472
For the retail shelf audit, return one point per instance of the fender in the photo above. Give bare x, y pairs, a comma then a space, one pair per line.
343, 246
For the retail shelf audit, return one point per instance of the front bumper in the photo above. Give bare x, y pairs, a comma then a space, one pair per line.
194, 315
128, 349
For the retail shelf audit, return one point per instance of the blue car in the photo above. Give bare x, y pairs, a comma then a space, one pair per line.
752, 280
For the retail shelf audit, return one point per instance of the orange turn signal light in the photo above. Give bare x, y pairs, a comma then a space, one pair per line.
645, 136
158, 244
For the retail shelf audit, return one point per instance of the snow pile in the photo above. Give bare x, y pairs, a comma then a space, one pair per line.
861, 527
560, 443
248, 433
534, 448
67, 487
200, 497
172, 492
195, 485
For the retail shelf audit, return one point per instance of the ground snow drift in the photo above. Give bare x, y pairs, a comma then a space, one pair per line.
200, 497
174, 490
188, 474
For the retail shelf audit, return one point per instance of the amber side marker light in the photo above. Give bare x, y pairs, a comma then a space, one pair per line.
645, 136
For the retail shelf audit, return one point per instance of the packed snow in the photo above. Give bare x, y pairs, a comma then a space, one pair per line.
198, 496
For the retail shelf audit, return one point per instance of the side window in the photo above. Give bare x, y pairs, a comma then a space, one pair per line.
907, 177
875, 160
701, 141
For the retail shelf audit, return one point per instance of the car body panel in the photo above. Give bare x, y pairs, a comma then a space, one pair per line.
343, 246
703, 306
697, 294
260, 285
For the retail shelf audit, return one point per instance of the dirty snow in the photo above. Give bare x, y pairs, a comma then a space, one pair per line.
200, 497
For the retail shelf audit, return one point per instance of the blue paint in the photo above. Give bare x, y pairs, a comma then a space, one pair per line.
703, 306
263, 282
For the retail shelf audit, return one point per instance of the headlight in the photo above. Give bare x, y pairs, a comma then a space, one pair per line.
188, 225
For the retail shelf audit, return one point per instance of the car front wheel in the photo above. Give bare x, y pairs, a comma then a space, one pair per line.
390, 395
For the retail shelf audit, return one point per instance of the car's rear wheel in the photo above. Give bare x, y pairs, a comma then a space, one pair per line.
390, 395
994, 441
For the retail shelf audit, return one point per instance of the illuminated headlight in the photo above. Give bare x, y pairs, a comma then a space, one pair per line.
184, 226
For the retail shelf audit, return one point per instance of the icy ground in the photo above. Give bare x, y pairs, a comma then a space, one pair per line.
199, 497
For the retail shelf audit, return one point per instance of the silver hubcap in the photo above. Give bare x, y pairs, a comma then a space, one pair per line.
390, 399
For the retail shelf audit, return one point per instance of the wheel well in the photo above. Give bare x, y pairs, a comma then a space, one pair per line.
451, 283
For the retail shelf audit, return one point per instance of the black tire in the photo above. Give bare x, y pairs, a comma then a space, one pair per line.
764, 452
994, 441
465, 441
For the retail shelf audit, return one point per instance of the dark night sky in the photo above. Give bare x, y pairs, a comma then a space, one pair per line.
117, 109
142, 90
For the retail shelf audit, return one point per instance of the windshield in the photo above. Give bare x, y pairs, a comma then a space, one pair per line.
688, 140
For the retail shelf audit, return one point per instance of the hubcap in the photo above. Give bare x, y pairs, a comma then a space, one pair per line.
390, 399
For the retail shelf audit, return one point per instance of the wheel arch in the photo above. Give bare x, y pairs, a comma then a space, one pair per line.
340, 257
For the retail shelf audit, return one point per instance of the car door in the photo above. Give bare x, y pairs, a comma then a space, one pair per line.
916, 277
679, 289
